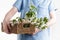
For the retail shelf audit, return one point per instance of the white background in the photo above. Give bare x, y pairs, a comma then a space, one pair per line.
6, 5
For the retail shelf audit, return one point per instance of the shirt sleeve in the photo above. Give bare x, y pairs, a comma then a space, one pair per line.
51, 6
18, 5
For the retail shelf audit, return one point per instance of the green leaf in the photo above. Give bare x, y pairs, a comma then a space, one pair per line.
33, 7
45, 20
44, 27
20, 20
14, 21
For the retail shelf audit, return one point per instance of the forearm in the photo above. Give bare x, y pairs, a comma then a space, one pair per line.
51, 22
52, 19
10, 14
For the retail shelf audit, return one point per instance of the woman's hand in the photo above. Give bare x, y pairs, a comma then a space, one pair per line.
36, 31
6, 27
8, 16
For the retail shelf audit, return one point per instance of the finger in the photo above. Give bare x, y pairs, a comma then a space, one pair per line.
9, 27
5, 28
36, 31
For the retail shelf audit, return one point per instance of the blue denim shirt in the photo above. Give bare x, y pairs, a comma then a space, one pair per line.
44, 7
